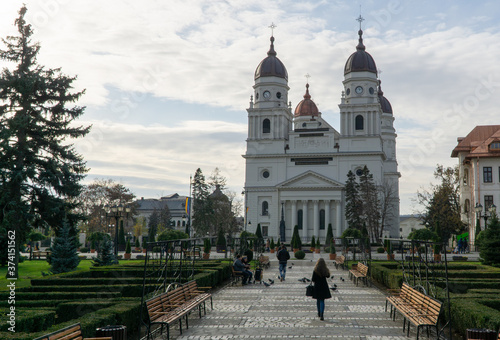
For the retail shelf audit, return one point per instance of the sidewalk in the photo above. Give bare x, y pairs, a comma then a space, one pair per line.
282, 311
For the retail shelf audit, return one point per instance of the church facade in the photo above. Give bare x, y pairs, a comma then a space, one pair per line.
297, 163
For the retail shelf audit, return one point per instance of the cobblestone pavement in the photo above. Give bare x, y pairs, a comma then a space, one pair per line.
282, 311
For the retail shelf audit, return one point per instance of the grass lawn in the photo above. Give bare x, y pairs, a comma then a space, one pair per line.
33, 270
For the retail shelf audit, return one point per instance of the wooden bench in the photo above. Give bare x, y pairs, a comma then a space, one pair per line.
41, 254
339, 261
361, 272
416, 308
264, 261
73, 332
195, 254
170, 307
236, 275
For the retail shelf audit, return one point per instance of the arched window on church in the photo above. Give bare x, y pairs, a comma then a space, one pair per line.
322, 219
265, 208
266, 126
178, 223
299, 218
359, 122
467, 206
466, 176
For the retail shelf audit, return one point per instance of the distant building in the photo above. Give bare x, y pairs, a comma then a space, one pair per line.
176, 204
479, 170
409, 223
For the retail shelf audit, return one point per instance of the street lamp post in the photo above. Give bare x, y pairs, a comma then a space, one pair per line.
117, 212
487, 214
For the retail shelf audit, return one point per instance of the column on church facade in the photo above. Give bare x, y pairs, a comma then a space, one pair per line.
316, 218
339, 219
327, 215
304, 221
294, 215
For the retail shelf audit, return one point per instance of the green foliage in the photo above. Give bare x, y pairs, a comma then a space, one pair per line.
296, 242
388, 246
329, 235
353, 203
300, 254
489, 243
313, 242
249, 254
137, 245
171, 234
64, 257
423, 234
272, 245
351, 232
380, 250
128, 248
442, 203
332, 249
40, 169
207, 246
121, 235
105, 256
258, 232
318, 244
221, 240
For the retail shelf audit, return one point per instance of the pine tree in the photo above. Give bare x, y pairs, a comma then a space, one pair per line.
153, 225
105, 256
40, 170
353, 204
489, 243
64, 256
121, 235
371, 204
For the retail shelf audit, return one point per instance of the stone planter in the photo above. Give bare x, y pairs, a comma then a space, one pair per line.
206, 256
437, 257
127, 256
317, 251
333, 256
92, 250
390, 257
272, 251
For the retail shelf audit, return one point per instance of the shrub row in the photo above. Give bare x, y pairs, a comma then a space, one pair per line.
81, 281
30, 320
60, 295
125, 290
474, 313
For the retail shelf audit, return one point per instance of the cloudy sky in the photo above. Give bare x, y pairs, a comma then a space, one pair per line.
168, 82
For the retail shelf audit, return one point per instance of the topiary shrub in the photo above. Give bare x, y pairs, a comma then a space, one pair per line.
249, 254
299, 254
380, 250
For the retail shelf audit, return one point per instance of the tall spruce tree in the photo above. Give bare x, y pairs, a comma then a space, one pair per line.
201, 204
40, 169
64, 256
369, 195
353, 204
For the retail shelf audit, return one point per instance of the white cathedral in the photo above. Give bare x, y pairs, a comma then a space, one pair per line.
297, 163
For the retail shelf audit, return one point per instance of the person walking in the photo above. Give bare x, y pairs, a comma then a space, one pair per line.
321, 289
283, 257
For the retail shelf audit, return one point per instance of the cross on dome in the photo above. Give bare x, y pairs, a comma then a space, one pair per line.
272, 27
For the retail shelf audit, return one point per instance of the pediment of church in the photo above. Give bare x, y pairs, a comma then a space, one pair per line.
310, 179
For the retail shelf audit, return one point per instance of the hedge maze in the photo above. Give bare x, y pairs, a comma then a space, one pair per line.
98, 297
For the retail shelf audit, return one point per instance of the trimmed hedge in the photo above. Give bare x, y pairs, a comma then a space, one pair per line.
30, 320
474, 313
62, 295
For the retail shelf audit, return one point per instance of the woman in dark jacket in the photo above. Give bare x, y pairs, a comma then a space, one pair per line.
321, 288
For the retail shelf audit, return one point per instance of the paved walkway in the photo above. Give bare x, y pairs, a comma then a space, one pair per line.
282, 311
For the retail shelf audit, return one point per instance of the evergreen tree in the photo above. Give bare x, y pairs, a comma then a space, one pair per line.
258, 233
489, 243
368, 193
353, 204
40, 171
201, 204
64, 255
121, 235
105, 256
153, 225
296, 242
329, 235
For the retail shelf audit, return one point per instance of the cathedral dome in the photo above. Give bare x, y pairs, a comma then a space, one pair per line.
271, 66
384, 103
306, 107
360, 60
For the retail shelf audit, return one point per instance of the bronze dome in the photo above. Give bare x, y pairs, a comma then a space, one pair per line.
271, 66
306, 107
360, 60
384, 103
